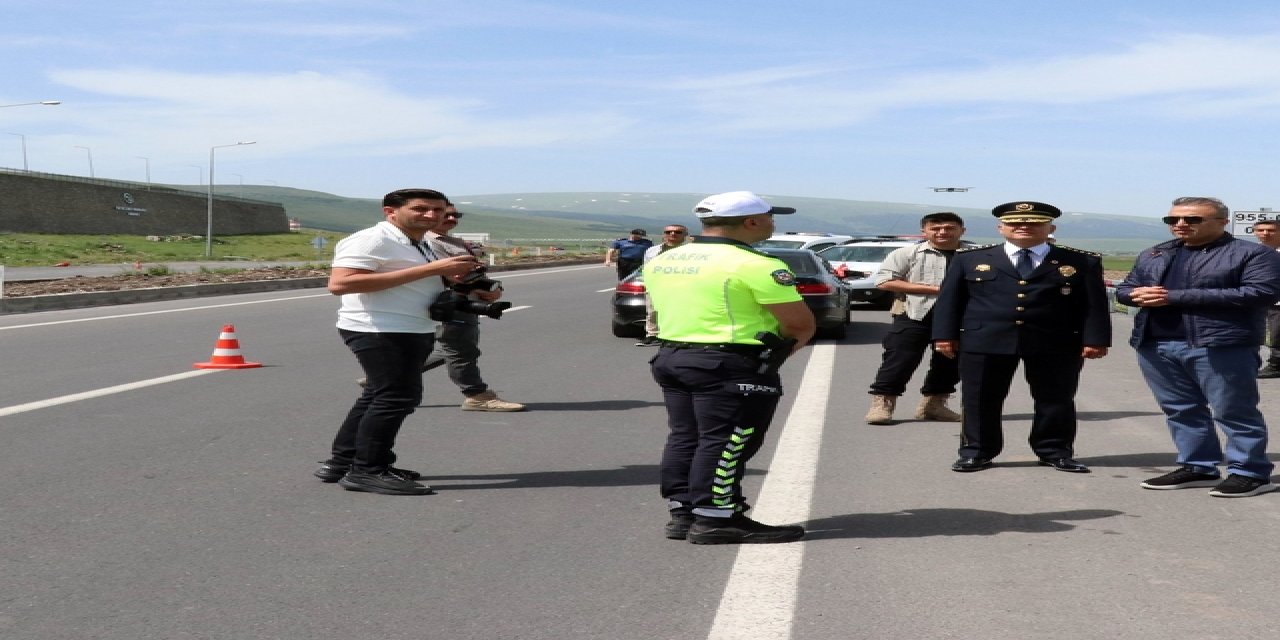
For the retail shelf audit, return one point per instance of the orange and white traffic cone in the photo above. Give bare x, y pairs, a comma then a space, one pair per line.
226, 353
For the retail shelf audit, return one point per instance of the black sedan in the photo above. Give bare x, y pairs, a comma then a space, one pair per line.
824, 293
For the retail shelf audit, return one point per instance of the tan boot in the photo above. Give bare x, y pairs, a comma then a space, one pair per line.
881, 409
489, 401
935, 408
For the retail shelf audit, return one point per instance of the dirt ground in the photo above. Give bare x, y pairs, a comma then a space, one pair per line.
121, 282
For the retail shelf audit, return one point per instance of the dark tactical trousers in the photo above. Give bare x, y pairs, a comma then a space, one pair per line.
718, 411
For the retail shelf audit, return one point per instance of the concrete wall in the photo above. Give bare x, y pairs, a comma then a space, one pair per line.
49, 203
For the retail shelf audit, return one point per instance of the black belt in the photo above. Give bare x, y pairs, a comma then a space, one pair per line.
744, 349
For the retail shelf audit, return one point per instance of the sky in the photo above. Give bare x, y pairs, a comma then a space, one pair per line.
1106, 107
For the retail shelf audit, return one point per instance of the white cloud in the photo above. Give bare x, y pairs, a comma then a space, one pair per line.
1174, 76
308, 112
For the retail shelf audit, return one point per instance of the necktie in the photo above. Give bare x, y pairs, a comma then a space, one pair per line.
1025, 265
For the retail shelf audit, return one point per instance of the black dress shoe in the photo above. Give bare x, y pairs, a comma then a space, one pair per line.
1064, 464
971, 464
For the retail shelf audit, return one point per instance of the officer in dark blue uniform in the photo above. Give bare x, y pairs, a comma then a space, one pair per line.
1022, 301
715, 296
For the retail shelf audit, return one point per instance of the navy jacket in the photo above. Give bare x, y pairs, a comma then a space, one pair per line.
1233, 282
1060, 308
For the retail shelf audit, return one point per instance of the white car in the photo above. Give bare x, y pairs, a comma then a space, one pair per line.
800, 240
859, 260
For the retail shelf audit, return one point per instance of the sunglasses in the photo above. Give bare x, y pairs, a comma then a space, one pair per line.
675, 231
453, 214
1172, 220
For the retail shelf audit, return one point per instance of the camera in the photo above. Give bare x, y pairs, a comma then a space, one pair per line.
455, 299
476, 280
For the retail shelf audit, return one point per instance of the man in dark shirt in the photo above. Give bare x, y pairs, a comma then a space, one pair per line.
628, 253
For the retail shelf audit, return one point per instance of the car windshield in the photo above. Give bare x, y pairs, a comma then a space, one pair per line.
857, 253
779, 244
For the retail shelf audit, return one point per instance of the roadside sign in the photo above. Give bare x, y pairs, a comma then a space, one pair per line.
1242, 221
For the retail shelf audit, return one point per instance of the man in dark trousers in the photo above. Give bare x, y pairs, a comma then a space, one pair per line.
1022, 301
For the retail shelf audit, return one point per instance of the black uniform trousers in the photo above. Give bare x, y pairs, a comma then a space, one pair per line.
904, 348
984, 382
718, 410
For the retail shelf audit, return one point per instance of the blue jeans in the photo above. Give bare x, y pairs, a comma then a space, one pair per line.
392, 364
1199, 386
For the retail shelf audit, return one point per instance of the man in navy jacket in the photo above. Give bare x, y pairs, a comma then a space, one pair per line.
1204, 297
1022, 301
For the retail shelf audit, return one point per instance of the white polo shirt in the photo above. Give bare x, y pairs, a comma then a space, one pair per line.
403, 309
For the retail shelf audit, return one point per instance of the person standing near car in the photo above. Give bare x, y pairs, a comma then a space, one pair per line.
914, 276
458, 340
628, 253
1268, 233
713, 296
387, 278
1203, 300
1025, 302
673, 235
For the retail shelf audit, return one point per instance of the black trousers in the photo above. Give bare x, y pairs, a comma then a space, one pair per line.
718, 411
625, 266
392, 364
904, 348
984, 383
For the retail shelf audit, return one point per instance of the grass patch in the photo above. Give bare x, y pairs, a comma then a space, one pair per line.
40, 250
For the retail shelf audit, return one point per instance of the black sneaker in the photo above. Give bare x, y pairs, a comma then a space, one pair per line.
678, 527
740, 529
649, 341
333, 472
1269, 371
385, 482
1183, 478
1238, 486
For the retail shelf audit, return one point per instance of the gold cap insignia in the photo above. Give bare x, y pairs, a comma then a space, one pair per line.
982, 267
1023, 206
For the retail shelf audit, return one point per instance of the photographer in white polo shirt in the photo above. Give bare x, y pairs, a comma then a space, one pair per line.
387, 278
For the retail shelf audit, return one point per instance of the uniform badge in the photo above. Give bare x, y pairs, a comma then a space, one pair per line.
982, 267
1066, 291
784, 278
1067, 271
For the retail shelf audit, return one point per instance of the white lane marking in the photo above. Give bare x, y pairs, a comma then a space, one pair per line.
538, 272
152, 313
760, 598
609, 290
105, 391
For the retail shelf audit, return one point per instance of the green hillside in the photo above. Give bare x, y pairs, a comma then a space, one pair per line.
605, 215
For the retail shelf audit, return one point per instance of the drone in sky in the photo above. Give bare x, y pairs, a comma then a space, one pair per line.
950, 189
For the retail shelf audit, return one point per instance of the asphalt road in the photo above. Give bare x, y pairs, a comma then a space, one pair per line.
185, 508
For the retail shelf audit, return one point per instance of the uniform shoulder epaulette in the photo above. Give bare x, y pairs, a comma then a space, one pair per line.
985, 246
1087, 253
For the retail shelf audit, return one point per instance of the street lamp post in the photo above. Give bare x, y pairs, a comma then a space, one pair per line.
148, 165
241, 183
199, 174
24, 104
24, 150
88, 151
208, 236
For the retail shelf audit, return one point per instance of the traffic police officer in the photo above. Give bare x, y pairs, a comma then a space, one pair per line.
714, 295
1024, 300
